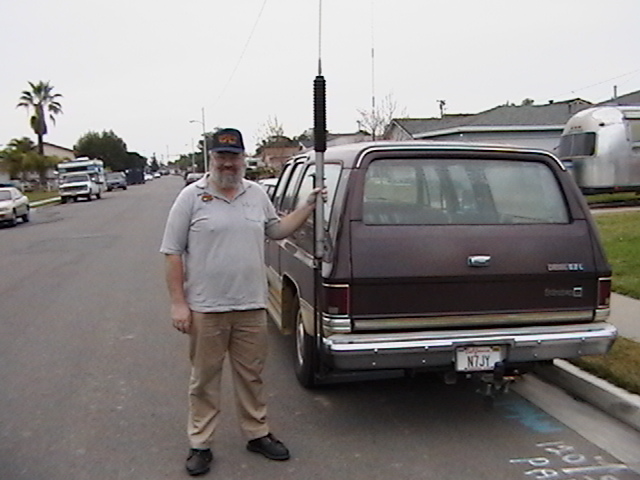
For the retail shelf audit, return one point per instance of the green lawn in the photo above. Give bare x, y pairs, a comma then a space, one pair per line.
37, 196
611, 197
620, 233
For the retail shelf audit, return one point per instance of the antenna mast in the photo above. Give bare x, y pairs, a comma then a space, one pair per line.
320, 146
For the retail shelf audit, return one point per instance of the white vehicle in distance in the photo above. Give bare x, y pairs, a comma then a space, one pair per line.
269, 184
13, 205
82, 177
192, 177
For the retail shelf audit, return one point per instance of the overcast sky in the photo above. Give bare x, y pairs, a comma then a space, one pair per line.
146, 68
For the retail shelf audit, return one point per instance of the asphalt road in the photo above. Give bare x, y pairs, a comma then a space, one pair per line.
93, 380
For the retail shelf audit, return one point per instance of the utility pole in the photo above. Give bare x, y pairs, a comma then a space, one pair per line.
205, 154
441, 105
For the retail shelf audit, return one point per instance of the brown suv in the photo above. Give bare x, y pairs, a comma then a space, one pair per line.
459, 258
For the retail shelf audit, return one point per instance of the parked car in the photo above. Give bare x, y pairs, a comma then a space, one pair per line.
192, 177
466, 260
116, 180
269, 184
13, 205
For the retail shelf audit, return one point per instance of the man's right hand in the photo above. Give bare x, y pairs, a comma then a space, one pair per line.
181, 317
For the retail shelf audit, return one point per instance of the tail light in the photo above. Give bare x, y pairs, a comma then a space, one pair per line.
604, 292
336, 298
604, 299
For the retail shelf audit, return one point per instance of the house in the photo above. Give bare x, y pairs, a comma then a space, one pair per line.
536, 126
62, 153
50, 150
276, 150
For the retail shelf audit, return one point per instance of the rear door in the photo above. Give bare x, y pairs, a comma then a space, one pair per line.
465, 239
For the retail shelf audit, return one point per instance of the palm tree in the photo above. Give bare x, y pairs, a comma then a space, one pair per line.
42, 99
23, 145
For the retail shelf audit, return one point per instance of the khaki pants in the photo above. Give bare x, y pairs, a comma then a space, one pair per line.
244, 335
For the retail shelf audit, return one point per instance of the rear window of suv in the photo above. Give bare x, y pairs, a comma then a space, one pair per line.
461, 192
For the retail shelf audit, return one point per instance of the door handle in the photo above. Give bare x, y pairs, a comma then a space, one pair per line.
478, 260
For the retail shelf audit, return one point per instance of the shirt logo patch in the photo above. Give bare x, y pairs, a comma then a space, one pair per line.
206, 197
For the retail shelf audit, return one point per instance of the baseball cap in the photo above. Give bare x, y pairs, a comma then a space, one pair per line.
227, 140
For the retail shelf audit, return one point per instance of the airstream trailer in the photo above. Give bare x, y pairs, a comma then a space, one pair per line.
601, 147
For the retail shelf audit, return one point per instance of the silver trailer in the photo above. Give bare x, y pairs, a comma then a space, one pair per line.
601, 147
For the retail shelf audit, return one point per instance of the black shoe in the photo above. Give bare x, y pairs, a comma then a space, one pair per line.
198, 461
270, 447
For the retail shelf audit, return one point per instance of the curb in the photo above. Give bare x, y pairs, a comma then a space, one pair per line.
44, 202
613, 400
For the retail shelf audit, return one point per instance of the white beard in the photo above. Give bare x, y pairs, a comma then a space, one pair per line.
227, 180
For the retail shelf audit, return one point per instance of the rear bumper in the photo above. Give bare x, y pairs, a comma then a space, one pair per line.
437, 349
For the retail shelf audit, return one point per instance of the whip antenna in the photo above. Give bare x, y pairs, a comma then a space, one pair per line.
320, 145
320, 141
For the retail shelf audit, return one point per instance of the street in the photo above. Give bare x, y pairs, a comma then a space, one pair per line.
93, 380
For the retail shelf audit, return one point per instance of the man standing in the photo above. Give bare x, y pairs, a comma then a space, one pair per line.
214, 256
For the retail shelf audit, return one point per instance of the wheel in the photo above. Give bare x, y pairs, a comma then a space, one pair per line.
304, 355
124, 188
25, 217
14, 220
89, 198
98, 195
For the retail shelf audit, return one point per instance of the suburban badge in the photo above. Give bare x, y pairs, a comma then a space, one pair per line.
565, 267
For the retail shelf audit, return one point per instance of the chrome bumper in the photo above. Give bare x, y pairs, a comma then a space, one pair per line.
433, 349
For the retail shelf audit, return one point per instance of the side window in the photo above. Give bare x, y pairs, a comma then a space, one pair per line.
331, 176
578, 145
634, 131
289, 192
284, 177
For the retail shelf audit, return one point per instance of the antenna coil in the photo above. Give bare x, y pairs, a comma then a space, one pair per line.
319, 114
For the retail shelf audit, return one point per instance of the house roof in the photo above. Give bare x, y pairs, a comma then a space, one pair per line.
556, 113
632, 98
513, 116
57, 146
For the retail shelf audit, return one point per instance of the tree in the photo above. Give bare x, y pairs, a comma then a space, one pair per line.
527, 101
135, 160
272, 135
106, 146
41, 164
21, 158
24, 144
375, 121
43, 101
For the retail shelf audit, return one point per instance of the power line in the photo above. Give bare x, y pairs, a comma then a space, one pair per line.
598, 83
253, 29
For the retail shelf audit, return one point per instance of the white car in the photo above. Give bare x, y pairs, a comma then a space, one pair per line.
269, 184
13, 205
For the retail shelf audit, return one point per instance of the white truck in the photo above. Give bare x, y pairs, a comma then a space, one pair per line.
81, 178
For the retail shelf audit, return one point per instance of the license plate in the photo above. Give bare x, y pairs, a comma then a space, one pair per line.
478, 358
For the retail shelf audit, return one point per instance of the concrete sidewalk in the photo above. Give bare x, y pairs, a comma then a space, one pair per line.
615, 401
625, 315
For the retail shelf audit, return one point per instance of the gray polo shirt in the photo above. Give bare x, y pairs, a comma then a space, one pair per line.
222, 245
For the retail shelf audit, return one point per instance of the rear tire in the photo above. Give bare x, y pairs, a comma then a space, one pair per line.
305, 362
14, 221
25, 217
98, 195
